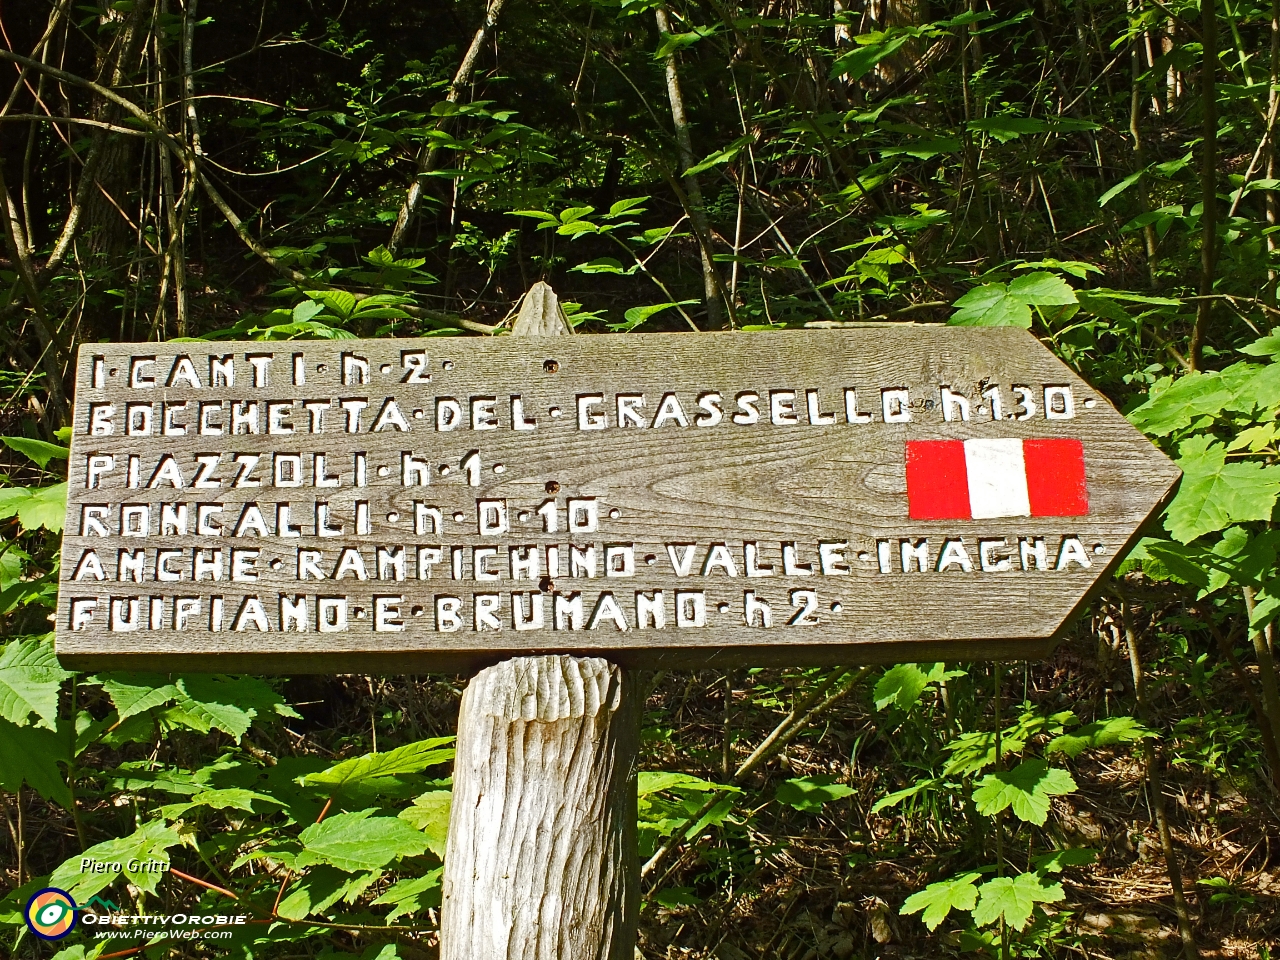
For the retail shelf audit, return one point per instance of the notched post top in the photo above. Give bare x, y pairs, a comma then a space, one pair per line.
541, 314
548, 688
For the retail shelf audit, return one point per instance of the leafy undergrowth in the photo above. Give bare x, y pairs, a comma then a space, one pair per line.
831, 882
322, 800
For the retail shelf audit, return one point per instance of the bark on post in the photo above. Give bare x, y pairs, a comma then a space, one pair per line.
541, 862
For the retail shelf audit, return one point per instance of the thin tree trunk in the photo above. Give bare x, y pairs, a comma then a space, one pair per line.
711, 285
1139, 154
1208, 179
1273, 207
428, 156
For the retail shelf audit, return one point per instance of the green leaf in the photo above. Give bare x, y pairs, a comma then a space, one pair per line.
859, 62
1071, 857
808, 794
990, 305
44, 507
1103, 307
1177, 561
902, 685
1006, 128
135, 693
671, 42
81, 952
31, 755
1268, 346
1175, 407
1174, 404
1042, 289
1014, 899
719, 157
1267, 605
214, 702
671, 897
573, 214
1100, 733
321, 888
638, 315
542, 215
360, 841
30, 681
231, 798
149, 842
339, 302
998, 305
10, 499
906, 793
413, 895
1120, 188
939, 899
13, 560
629, 205
655, 781
1214, 494
41, 451
1027, 789
602, 265
430, 814
305, 310
411, 758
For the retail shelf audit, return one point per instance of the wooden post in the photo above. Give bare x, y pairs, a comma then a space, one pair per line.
541, 861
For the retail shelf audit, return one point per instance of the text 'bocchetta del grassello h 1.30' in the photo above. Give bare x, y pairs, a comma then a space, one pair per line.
820, 496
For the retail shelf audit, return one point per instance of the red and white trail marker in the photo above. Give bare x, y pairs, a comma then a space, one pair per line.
989, 479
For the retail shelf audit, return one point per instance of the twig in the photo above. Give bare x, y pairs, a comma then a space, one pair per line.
799, 718
206, 884
1155, 780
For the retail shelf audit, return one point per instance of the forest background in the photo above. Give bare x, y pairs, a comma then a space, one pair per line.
1102, 172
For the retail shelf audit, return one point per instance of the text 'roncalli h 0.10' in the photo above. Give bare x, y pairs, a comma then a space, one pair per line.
883, 494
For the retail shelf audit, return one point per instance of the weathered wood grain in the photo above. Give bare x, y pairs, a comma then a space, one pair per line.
541, 859
765, 483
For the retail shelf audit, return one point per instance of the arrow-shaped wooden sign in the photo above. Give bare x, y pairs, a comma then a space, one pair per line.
825, 496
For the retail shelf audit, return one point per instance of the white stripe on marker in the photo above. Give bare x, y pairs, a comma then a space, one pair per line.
997, 479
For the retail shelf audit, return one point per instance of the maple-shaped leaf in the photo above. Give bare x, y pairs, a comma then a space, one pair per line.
128, 855
31, 755
1001, 305
901, 686
1215, 493
30, 680
35, 507
430, 814
321, 888
1027, 789
1174, 404
135, 693
939, 899
1014, 899
359, 841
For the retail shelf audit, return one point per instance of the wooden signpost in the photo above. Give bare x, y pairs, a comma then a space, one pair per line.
896, 493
